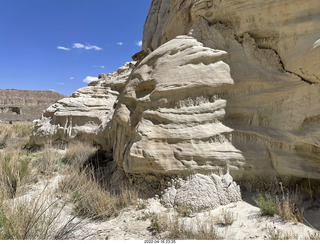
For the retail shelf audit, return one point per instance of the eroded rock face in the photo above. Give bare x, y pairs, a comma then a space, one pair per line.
230, 86
152, 30
239, 92
85, 114
168, 119
291, 28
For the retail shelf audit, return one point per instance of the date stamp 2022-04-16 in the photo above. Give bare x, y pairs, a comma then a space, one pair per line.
160, 241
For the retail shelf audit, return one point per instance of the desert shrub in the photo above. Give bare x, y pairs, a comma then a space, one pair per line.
267, 204
15, 167
78, 153
26, 219
90, 199
22, 129
288, 208
14, 171
47, 161
15, 135
36, 218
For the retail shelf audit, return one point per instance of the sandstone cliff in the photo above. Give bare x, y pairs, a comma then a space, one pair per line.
272, 107
230, 86
85, 114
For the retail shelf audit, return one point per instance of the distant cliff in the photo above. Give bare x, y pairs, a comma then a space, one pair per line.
25, 105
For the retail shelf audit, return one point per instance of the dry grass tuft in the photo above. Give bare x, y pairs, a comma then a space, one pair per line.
15, 135
290, 207
15, 171
275, 234
78, 153
225, 218
89, 196
28, 218
15, 166
91, 200
175, 229
25, 218
289, 210
47, 162
314, 236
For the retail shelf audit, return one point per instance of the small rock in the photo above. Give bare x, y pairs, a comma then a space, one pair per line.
141, 55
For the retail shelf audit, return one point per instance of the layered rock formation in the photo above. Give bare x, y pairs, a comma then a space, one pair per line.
168, 119
85, 114
230, 86
25, 105
272, 50
291, 28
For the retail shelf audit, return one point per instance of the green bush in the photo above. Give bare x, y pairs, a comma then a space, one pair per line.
14, 168
267, 204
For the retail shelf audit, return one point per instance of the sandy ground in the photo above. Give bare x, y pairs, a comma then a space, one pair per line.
133, 224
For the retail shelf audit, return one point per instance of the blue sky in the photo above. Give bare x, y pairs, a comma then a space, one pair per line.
56, 44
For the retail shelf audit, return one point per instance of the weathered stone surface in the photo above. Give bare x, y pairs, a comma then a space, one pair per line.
252, 107
201, 192
168, 119
152, 30
291, 28
85, 114
231, 86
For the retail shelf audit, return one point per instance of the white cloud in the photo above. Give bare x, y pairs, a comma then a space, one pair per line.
71, 78
86, 47
63, 48
139, 43
120, 43
98, 66
78, 45
60, 83
88, 79
89, 47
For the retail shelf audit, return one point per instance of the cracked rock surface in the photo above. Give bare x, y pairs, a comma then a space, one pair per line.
271, 107
230, 86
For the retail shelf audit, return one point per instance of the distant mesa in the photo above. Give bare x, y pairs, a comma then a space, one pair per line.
25, 105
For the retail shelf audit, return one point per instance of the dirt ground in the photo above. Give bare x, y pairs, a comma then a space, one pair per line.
134, 223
